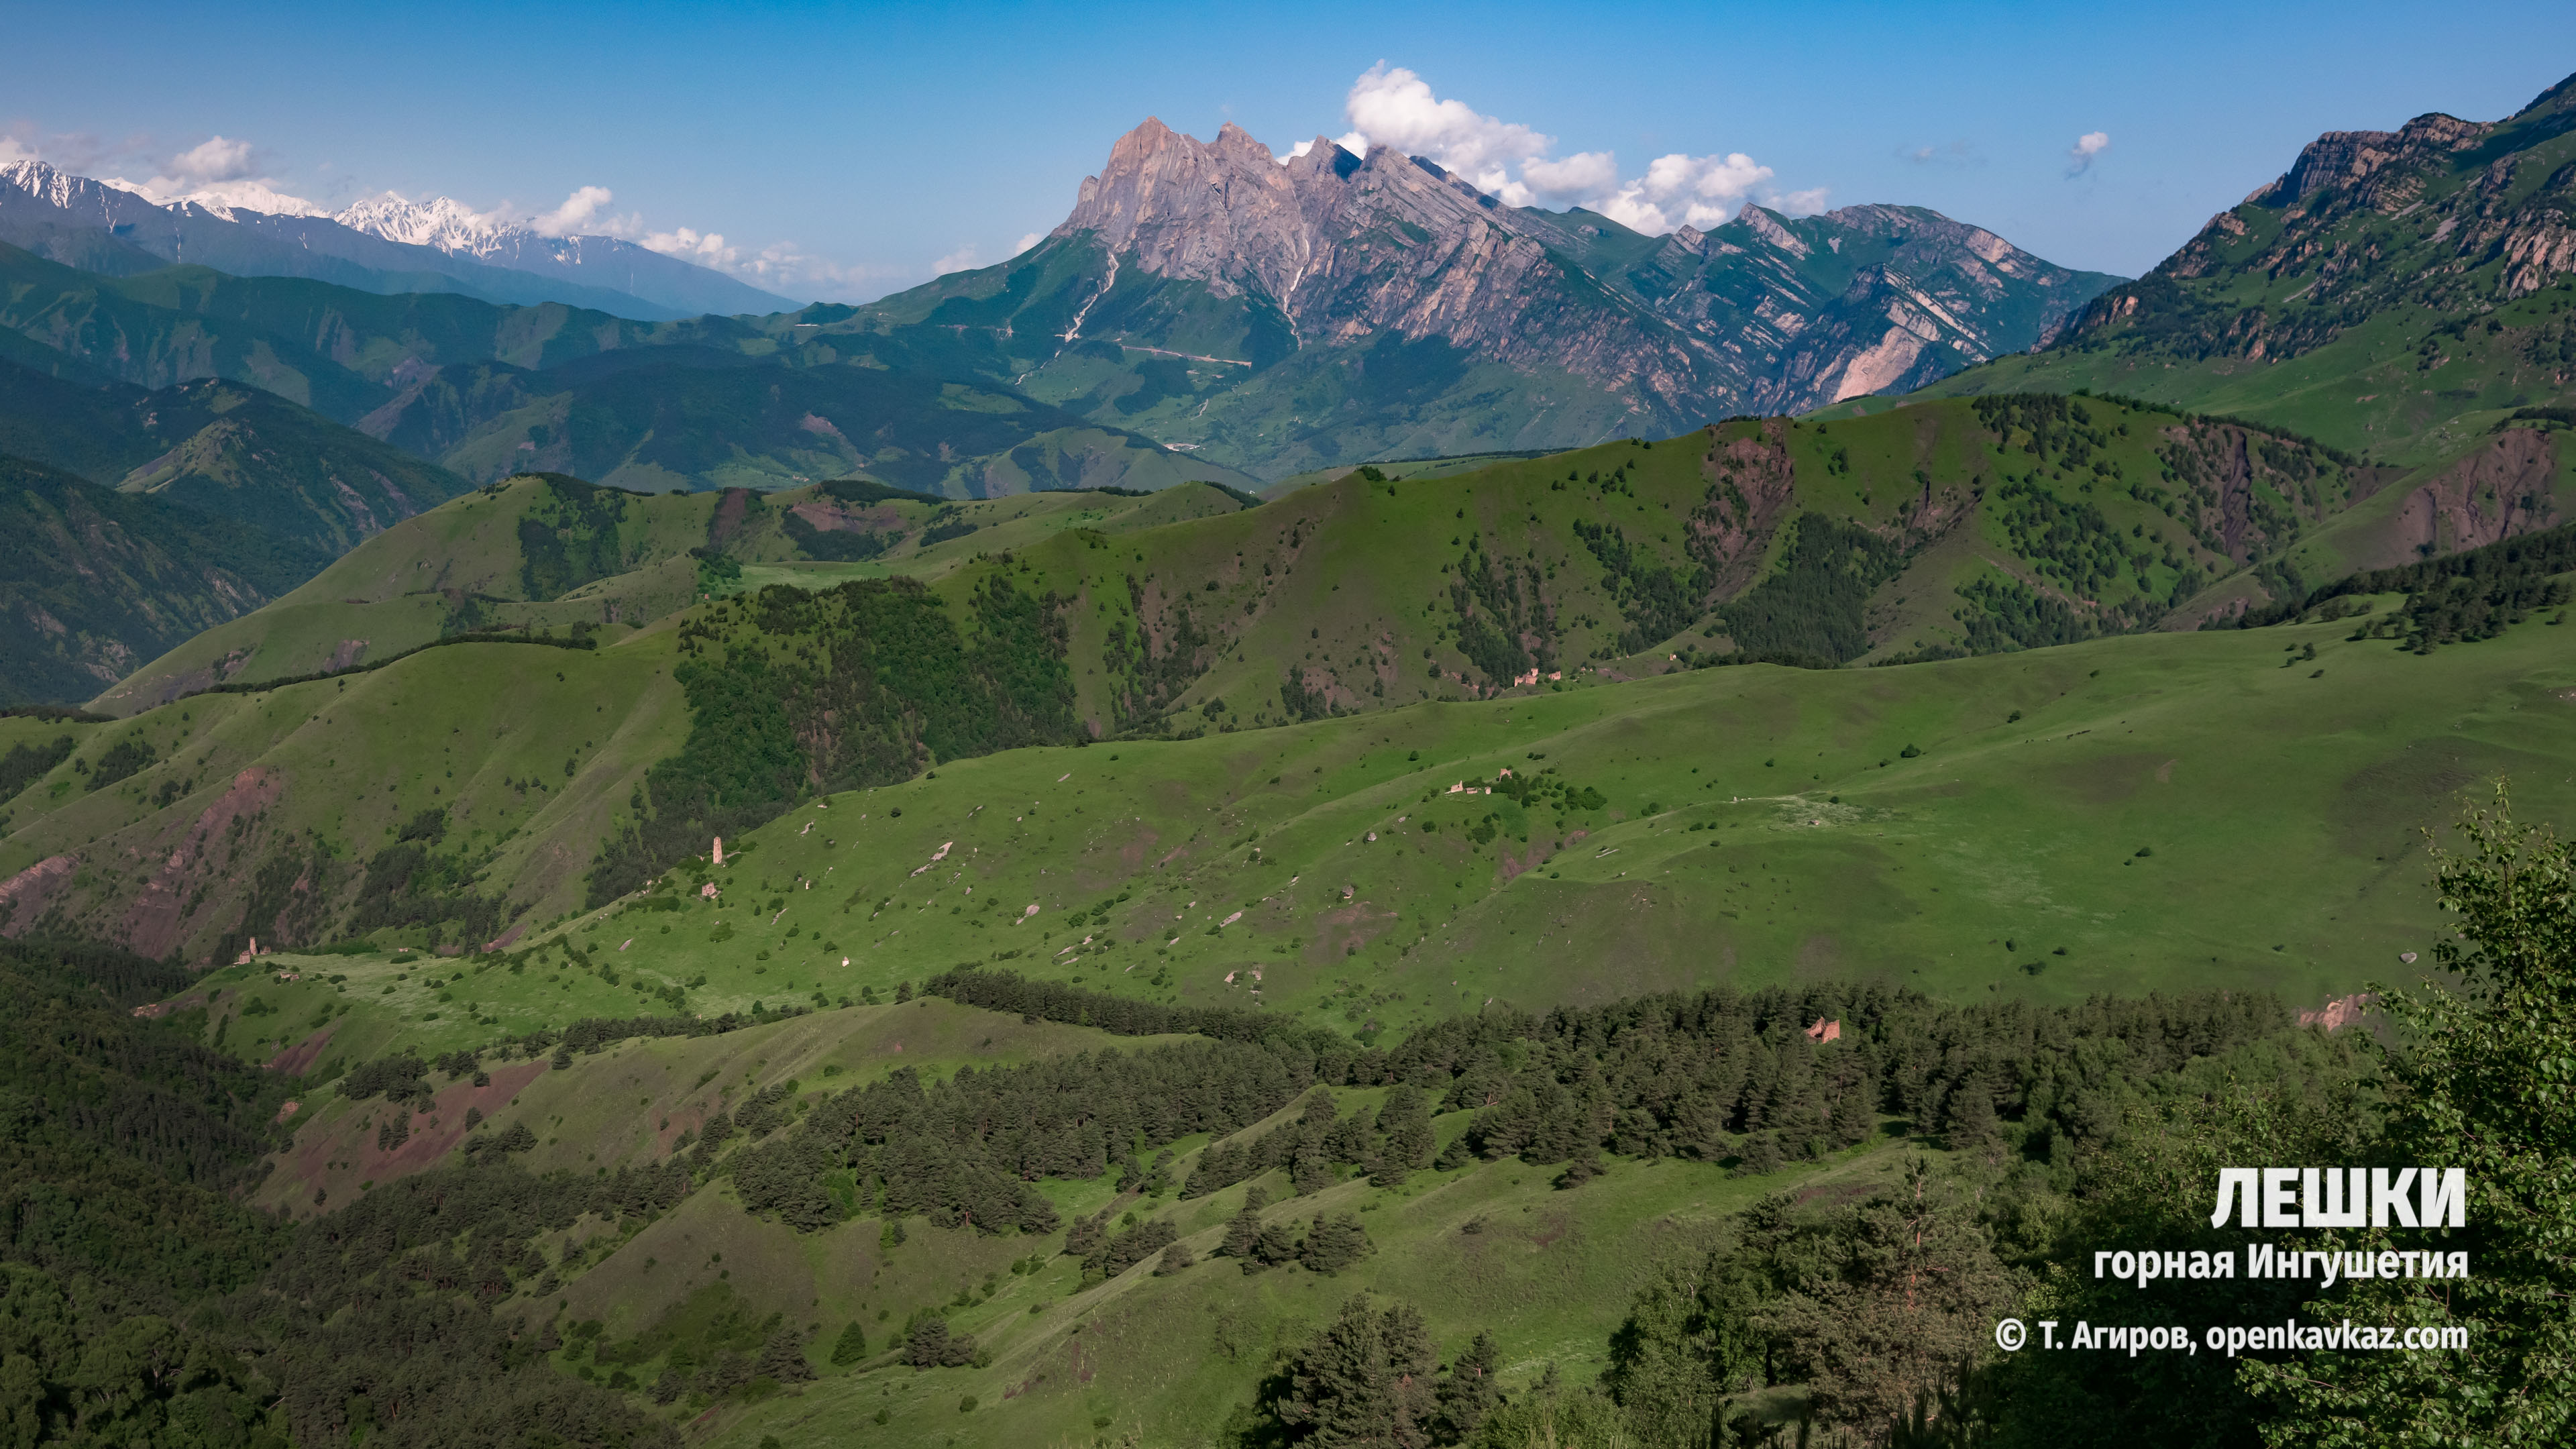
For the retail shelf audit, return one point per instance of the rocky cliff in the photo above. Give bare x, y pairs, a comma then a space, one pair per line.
1275, 314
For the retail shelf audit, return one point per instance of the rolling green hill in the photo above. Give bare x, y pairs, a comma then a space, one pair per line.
223, 450
249, 495
545, 553
463, 794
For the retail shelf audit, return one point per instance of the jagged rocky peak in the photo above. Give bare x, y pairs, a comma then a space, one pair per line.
1225, 212
1765, 311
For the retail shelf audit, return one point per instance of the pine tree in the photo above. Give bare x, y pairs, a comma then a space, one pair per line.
851, 1346
1311, 1174
1242, 1233
1275, 1246
927, 1345
1971, 1124
1175, 1258
1466, 1391
1365, 1378
782, 1358
1406, 1121
1761, 1154
1856, 1111
1918, 1294
1333, 1244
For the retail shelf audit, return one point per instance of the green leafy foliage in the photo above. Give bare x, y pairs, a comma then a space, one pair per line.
2486, 1081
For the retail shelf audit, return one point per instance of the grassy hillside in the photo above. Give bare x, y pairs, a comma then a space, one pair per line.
1949, 528
544, 553
739, 1210
1790, 831
96, 579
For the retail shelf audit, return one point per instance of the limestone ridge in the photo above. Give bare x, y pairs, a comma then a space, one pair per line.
1345, 247
1183, 249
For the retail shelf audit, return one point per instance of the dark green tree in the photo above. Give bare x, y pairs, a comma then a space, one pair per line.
1332, 1244
1467, 1392
782, 1358
851, 1346
1366, 1378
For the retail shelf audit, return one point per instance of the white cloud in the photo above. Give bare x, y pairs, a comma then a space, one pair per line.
1300, 149
1585, 173
218, 172
1798, 203
1392, 106
78, 152
707, 249
581, 207
1702, 191
213, 159
1956, 153
2079, 157
960, 260
1026, 242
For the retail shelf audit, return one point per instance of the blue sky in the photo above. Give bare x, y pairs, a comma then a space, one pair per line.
846, 151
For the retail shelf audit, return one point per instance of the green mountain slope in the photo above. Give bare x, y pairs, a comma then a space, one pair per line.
484, 389
341, 352
94, 579
2395, 294
1723, 824
549, 554
665, 417
224, 450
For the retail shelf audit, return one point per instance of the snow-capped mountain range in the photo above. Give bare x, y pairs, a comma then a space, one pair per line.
385, 245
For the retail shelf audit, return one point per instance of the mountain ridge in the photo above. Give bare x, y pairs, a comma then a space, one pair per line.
1233, 303
381, 245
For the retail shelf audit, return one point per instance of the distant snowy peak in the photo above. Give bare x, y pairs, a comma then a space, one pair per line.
45, 184
227, 197
383, 243
442, 222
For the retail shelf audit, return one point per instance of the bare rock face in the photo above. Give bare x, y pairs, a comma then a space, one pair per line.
1345, 248
1228, 261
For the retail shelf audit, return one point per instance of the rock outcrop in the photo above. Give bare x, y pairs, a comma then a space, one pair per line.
1412, 310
